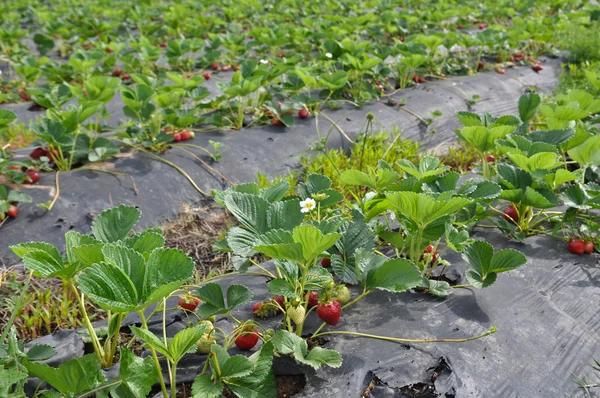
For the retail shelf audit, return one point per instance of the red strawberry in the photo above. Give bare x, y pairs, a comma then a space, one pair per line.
480, 65
38, 153
33, 174
490, 159
206, 75
185, 135
163, 44
500, 70
415, 79
247, 340
303, 113
235, 67
313, 299
117, 72
483, 25
326, 263
177, 137
261, 310
280, 55
588, 247
13, 211
330, 313
224, 68
14, 167
124, 76
459, 26
189, 303
537, 67
430, 249
276, 122
421, 79
279, 300
215, 66
511, 214
576, 246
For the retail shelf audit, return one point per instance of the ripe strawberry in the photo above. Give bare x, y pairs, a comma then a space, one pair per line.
177, 137
588, 247
537, 67
279, 300
430, 249
13, 212
224, 68
206, 75
313, 299
459, 26
326, 263
341, 294
330, 313
124, 76
415, 79
34, 176
261, 309
163, 44
215, 66
303, 113
280, 55
519, 56
246, 340
189, 303
490, 159
511, 214
421, 79
117, 72
235, 67
483, 25
14, 167
296, 314
276, 122
480, 65
38, 153
576, 246
185, 135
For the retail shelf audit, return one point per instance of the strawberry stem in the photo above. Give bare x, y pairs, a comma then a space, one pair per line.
400, 340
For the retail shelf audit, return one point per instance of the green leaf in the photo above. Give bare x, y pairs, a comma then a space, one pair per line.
109, 287
250, 210
288, 343
528, 104
166, 271
423, 209
148, 241
315, 183
356, 177
396, 275
40, 352
236, 366
152, 340
313, 242
71, 377
275, 192
506, 260
129, 261
88, 255
479, 255
115, 224
261, 382
241, 241
588, 153
211, 293
74, 239
285, 215
478, 281
321, 356
437, 288
281, 287
23, 248
18, 196
6, 117
184, 340
238, 295
205, 387
137, 376
42, 263
9, 377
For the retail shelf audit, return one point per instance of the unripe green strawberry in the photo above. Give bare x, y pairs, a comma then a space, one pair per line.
341, 294
209, 327
203, 345
296, 314
211, 318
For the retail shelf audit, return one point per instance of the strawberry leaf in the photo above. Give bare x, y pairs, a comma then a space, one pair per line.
115, 223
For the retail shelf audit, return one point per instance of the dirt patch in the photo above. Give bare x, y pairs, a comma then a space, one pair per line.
195, 230
287, 386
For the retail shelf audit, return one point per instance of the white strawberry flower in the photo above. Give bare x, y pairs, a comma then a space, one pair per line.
264, 61
307, 205
328, 55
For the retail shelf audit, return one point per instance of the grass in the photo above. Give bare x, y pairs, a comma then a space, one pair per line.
16, 136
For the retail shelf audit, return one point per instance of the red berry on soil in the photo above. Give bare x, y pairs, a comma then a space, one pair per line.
537, 67
163, 44
326, 263
124, 76
185, 135
177, 137
480, 65
13, 212
430, 249
235, 67
303, 113
276, 122
215, 66
189, 303
588, 247
247, 341
459, 26
511, 214
256, 307
313, 299
117, 72
490, 159
38, 153
206, 75
330, 313
33, 175
280, 301
576, 246
483, 25
224, 68
421, 79
415, 79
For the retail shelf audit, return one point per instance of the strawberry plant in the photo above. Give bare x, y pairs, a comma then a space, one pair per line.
9, 201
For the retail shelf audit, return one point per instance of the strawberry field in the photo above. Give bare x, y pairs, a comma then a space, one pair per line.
280, 198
